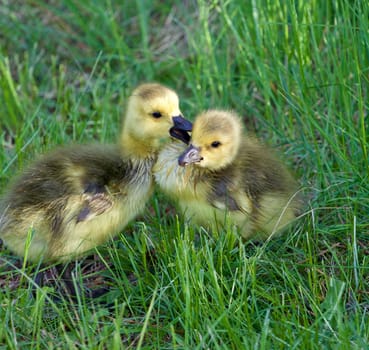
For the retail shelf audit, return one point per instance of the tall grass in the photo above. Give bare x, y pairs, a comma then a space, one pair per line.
298, 74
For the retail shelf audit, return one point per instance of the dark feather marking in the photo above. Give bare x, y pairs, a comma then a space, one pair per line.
221, 194
83, 214
94, 205
94, 188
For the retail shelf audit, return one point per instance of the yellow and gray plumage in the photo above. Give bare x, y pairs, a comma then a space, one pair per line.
77, 197
226, 177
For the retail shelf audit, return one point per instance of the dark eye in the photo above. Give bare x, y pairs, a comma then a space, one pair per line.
156, 114
215, 144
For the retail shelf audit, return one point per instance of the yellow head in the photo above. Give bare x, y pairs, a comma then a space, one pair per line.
215, 140
152, 111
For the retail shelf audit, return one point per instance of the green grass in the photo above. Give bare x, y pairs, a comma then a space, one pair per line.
298, 74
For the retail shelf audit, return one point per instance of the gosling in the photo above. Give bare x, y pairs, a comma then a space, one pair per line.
76, 198
226, 178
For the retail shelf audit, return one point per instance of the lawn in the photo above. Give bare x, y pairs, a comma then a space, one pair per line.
298, 74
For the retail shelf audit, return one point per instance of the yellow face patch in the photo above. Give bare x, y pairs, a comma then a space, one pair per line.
150, 112
217, 136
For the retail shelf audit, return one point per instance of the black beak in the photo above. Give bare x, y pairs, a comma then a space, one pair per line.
182, 123
180, 128
189, 156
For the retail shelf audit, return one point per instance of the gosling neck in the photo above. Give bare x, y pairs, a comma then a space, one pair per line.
135, 148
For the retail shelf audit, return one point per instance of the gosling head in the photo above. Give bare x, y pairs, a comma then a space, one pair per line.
215, 140
152, 112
